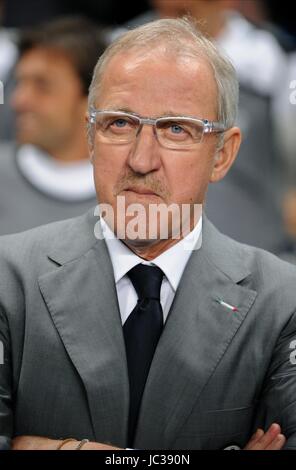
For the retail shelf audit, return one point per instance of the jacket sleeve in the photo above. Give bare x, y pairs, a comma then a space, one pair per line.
6, 416
277, 402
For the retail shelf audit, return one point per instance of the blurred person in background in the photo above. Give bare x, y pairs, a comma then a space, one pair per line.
288, 135
280, 20
251, 194
48, 176
276, 17
8, 57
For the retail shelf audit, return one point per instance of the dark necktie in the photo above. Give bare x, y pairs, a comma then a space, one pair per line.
141, 331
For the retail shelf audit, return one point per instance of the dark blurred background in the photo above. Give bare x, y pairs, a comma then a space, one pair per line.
19, 13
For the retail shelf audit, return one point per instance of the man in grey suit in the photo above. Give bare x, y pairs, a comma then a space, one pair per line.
214, 360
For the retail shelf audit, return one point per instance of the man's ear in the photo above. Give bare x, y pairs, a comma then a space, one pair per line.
90, 136
226, 154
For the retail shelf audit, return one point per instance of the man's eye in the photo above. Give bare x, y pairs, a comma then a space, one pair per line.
119, 123
173, 127
176, 129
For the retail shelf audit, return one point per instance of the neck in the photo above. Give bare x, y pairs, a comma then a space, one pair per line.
73, 151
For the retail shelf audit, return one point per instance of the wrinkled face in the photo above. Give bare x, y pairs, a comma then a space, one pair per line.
48, 99
143, 171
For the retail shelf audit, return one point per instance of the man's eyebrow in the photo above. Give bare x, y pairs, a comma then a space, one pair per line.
120, 108
172, 113
130, 111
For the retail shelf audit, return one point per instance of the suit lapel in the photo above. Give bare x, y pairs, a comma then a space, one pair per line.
81, 298
196, 336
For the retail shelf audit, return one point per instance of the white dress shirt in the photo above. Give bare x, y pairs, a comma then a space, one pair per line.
172, 262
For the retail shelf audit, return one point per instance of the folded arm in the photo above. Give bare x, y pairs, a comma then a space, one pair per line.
278, 398
6, 417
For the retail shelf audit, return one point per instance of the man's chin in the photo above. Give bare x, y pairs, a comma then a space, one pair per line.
140, 245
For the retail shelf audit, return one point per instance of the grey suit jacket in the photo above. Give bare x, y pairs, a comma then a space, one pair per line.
216, 375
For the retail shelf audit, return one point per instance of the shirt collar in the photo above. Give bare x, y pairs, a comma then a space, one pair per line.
71, 181
172, 261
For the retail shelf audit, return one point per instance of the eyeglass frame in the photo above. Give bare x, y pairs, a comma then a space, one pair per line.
208, 126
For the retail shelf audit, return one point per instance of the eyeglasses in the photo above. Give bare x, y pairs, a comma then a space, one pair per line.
173, 132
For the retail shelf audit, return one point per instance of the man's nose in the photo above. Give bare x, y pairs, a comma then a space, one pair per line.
144, 155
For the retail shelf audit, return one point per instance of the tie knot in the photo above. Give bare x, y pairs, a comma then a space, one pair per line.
146, 281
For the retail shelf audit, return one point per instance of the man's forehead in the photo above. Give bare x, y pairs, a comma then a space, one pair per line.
134, 61
181, 81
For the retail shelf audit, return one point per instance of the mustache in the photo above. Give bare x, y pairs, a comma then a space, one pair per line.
148, 181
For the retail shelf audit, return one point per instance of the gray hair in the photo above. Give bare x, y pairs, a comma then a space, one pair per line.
180, 36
